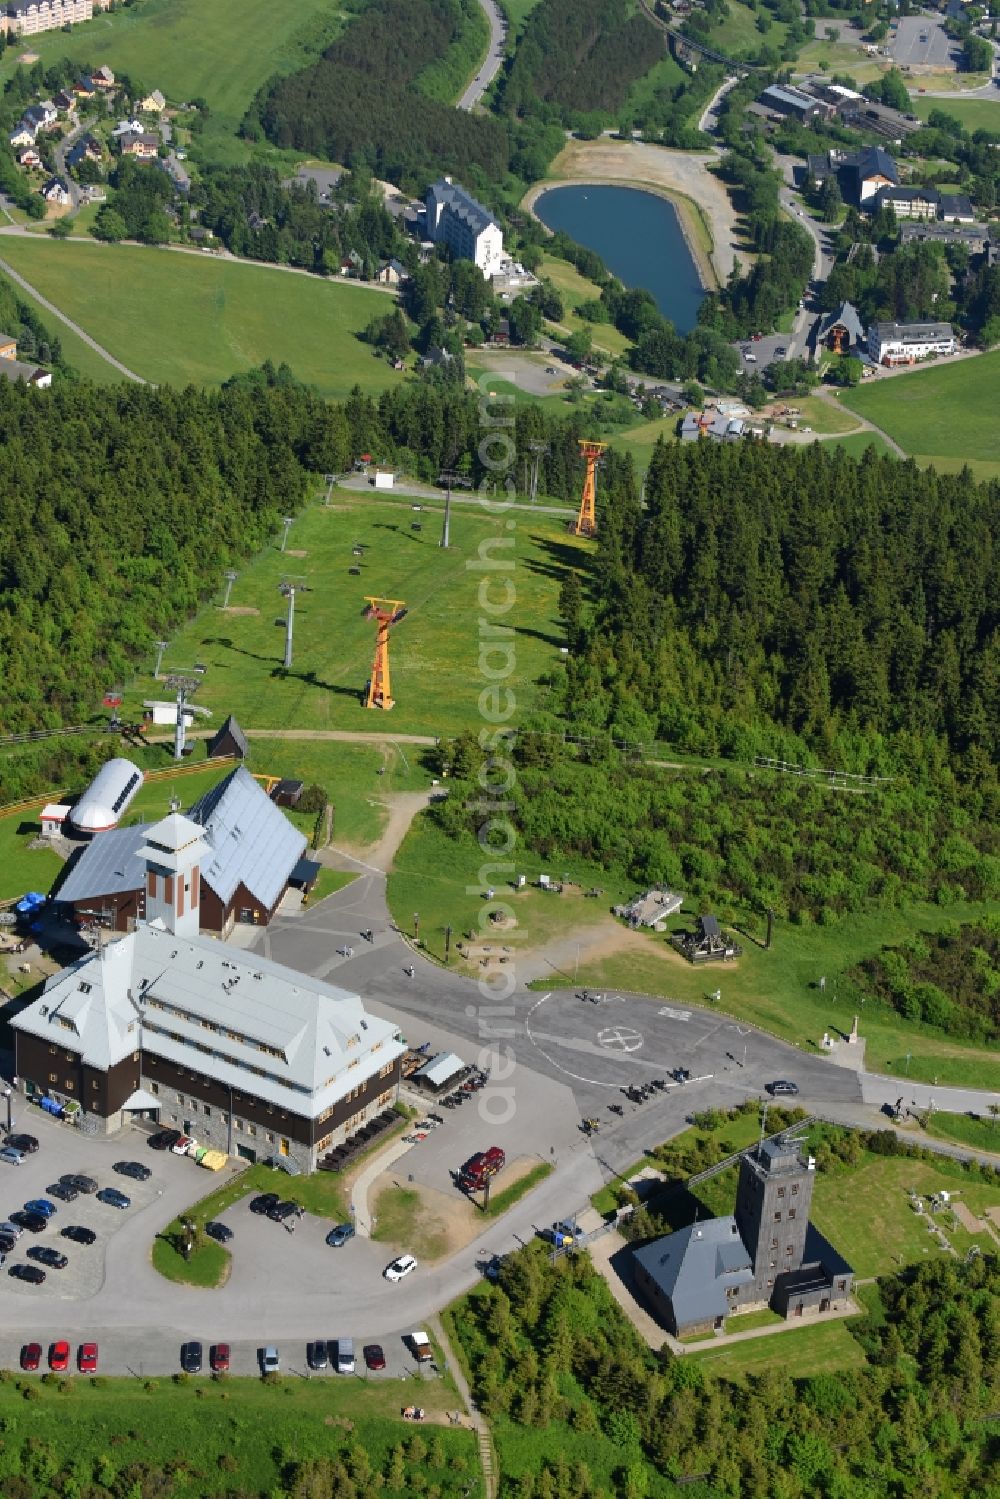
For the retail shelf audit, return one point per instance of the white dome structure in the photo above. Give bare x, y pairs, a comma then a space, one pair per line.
107, 797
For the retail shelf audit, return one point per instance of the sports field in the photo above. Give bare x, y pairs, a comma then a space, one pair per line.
947, 411
218, 50
437, 677
179, 318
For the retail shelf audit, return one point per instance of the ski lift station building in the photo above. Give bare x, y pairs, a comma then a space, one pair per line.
107, 798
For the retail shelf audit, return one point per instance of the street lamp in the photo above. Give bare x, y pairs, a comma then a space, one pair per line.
287, 523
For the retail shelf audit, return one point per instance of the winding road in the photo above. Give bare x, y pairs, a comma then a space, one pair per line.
494, 56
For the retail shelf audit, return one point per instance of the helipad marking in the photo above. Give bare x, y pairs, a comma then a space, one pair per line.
619, 1038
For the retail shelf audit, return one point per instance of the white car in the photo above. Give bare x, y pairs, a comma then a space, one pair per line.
270, 1363
400, 1267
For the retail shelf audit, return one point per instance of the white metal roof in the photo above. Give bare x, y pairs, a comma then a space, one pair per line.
264, 1029
107, 796
440, 1068
253, 842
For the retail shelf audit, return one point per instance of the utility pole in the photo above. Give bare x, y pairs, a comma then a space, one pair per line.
287, 523
161, 646
330, 480
447, 944
449, 478
290, 587
230, 578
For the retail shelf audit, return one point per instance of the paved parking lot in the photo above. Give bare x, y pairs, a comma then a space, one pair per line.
921, 42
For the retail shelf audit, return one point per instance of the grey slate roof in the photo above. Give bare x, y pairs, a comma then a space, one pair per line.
846, 316
695, 1266
872, 161
955, 205
462, 204
906, 194
253, 842
108, 865
913, 332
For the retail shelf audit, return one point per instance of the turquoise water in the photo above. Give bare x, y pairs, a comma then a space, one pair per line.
639, 238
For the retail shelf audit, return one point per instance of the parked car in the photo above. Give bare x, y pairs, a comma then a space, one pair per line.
342, 1354
31, 1357
493, 1267
79, 1234
218, 1358
316, 1355
135, 1169
13, 1230
84, 1184
11, 1156
782, 1088
220, 1232
164, 1139
561, 1235
404, 1265
46, 1255
781, 351
182, 1144
282, 1210
40, 1205
30, 1273
7, 1244
63, 1191
59, 1356
33, 1222
338, 1237
114, 1198
270, 1363
26, 1144
374, 1356
191, 1355
264, 1203
86, 1358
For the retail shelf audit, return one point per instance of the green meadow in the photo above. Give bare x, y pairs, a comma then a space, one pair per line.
944, 414
180, 318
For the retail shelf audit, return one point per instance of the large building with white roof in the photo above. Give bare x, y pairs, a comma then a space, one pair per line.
469, 230
250, 1057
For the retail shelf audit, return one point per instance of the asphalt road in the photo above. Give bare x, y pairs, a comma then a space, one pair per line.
494, 57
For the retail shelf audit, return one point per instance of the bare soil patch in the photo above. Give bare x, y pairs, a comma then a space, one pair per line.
239, 609
292, 552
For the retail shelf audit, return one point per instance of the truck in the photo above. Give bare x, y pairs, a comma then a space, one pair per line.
480, 1168
421, 1347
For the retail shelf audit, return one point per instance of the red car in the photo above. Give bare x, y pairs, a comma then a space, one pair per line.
31, 1356
374, 1357
59, 1356
86, 1358
218, 1358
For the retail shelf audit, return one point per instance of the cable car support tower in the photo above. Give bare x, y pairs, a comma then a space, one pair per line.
386, 613
586, 522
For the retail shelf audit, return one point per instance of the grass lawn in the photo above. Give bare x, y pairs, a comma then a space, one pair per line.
974, 114
749, 1321
946, 410
207, 1268
738, 32
858, 443
864, 1210
435, 651
822, 415
839, 57
216, 1437
501, 1201
176, 318
187, 49
642, 439
980, 1133
517, 12
797, 1353
76, 353
778, 990
663, 77
440, 879
574, 289
404, 1219
329, 882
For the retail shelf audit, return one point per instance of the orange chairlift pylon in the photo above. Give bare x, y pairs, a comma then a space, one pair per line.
387, 612
586, 522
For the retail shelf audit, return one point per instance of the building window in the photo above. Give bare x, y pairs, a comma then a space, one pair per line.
94, 1083
791, 1212
154, 1087
52, 1051
284, 1147
68, 1085
781, 1191
777, 1217
251, 1129
789, 1251
842, 1284
795, 1189
180, 1098
53, 1078
238, 1124
770, 1281
772, 1264
208, 1111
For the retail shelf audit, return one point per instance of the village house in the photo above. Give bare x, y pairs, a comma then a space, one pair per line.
841, 332
860, 174
103, 77
56, 191
153, 104
63, 101
11, 368
29, 158
87, 148
908, 202
143, 146
391, 273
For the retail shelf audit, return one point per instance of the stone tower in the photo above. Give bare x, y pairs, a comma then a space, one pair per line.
173, 851
772, 1210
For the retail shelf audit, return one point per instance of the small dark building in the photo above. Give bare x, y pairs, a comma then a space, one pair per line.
230, 740
708, 943
287, 793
